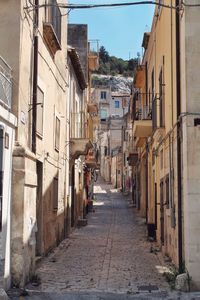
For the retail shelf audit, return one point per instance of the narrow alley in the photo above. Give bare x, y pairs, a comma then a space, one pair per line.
110, 255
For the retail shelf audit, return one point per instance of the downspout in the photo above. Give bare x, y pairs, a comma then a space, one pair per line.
179, 171
35, 75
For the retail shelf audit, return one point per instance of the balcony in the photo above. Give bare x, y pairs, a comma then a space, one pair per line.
91, 159
5, 84
79, 146
139, 78
93, 61
93, 55
52, 27
133, 158
92, 109
142, 127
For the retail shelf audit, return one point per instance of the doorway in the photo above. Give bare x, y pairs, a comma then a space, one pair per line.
73, 196
162, 237
39, 209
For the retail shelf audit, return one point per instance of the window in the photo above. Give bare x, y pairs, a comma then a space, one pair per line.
116, 104
53, 16
103, 114
55, 193
103, 94
40, 104
57, 134
161, 98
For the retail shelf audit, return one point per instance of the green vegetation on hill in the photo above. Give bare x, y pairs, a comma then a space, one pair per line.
111, 65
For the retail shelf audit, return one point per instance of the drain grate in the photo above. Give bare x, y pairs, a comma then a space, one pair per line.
147, 288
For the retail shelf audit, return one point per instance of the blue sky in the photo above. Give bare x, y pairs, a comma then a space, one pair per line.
119, 30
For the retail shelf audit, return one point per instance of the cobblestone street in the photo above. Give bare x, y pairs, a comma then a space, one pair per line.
110, 256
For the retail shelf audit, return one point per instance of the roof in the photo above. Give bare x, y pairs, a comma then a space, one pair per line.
77, 67
115, 94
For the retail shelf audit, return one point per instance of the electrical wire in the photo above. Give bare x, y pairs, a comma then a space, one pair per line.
106, 5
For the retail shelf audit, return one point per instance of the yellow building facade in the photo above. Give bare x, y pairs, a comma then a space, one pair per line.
165, 134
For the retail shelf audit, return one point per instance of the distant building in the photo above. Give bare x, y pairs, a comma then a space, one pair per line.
112, 107
119, 104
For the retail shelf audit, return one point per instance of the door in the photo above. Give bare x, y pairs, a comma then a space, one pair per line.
162, 212
155, 202
73, 196
39, 209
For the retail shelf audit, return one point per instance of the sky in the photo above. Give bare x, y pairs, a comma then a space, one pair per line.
119, 30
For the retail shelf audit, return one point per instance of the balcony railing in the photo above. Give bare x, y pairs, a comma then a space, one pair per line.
144, 113
78, 125
5, 84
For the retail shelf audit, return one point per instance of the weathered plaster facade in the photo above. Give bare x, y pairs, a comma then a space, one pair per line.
8, 123
167, 175
38, 204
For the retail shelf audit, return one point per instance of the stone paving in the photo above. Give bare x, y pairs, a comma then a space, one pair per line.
110, 258
109, 254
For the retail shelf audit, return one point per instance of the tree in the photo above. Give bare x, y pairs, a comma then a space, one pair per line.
103, 54
132, 64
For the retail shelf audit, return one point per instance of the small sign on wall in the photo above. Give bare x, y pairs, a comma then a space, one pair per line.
6, 140
23, 117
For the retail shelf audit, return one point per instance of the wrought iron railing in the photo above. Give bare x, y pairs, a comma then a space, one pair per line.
143, 113
5, 84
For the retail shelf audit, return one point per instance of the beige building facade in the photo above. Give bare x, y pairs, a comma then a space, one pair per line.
35, 46
8, 123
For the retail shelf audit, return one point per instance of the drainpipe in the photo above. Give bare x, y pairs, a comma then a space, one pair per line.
35, 75
179, 170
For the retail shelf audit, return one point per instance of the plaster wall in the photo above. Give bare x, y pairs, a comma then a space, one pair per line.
123, 108
161, 55
7, 123
16, 31
190, 91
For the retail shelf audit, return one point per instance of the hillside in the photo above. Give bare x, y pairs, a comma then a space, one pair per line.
117, 83
111, 65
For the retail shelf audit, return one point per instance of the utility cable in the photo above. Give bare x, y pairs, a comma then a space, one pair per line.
89, 6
